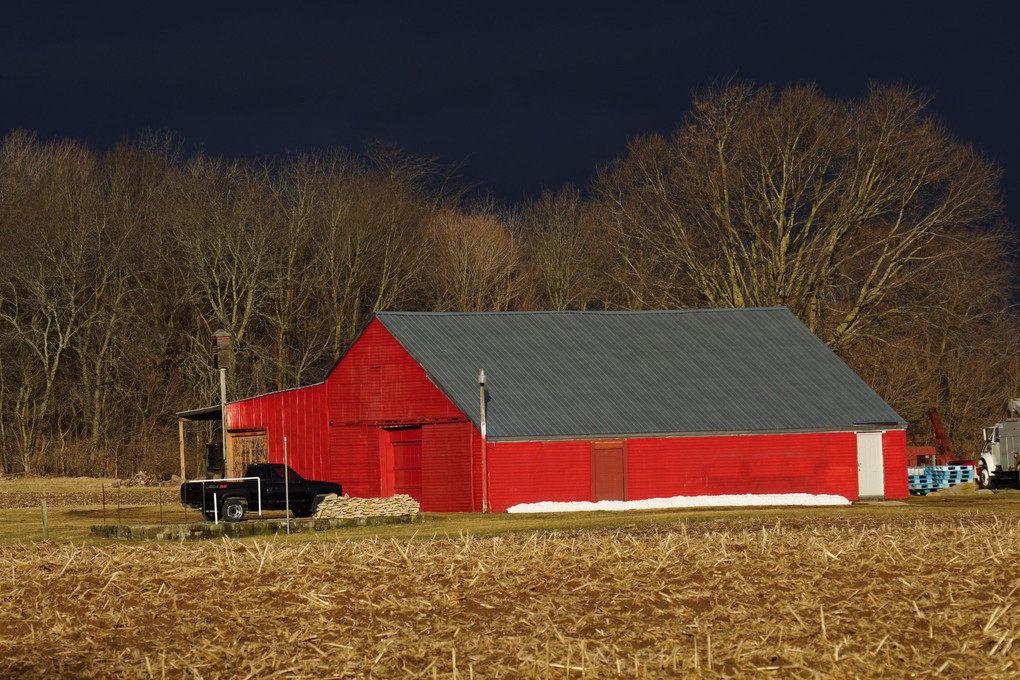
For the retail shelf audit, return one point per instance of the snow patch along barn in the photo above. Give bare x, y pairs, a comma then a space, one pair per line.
581, 406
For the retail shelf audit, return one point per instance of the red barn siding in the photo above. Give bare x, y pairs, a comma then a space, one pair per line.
446, 468
377, 386
298, 414
894, 451
818, 463
378, 382
476, 468
354, 459
825, 463
531, 472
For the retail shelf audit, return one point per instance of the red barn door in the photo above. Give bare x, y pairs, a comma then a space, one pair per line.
608, 471
400, 462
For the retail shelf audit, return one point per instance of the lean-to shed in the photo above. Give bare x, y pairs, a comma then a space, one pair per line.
581, 406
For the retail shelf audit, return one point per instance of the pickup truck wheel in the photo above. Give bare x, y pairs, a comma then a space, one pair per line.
233, 510
315, 504
984, 477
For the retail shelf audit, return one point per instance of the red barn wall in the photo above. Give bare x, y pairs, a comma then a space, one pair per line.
298, 414
662, 467
531, 472
894, 451
378, 385
354, 459
816, 463
448, 467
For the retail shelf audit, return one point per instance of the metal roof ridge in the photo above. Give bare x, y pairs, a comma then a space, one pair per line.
587, 312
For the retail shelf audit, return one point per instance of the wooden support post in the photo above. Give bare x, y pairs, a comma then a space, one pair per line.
286, 485
180, 433
45, 522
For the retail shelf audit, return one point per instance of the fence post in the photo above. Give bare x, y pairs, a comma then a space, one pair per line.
286, 484
45, 522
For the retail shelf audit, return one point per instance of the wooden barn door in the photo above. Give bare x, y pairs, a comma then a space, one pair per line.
400, 462
247, 448
608, 471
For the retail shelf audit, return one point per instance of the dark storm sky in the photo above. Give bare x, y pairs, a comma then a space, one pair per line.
527, 95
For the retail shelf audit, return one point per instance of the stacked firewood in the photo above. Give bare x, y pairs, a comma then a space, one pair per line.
345, 507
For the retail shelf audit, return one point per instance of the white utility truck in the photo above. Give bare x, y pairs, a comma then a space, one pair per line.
1000, 454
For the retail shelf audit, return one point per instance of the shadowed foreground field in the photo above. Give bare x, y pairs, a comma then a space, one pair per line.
912, 593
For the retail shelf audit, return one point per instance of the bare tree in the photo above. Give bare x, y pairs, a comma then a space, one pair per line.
372, 247
564, 251
476, 263
960, 349
866, 218
45, 292
832, 209
224, 246
44, 306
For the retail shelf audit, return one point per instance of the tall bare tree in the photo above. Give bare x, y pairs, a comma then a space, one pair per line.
372, 246
45, 289
477, 263
224, 242
791, 198
563, 250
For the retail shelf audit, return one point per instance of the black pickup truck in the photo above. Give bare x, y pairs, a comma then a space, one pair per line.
265, 486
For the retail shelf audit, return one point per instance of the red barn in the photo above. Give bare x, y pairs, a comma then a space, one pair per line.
581, 406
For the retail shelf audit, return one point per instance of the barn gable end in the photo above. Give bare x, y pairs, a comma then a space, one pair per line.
378, 390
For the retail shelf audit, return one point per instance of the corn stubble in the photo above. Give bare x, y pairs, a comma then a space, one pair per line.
820, 598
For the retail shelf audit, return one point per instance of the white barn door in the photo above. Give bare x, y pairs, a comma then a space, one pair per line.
870, 470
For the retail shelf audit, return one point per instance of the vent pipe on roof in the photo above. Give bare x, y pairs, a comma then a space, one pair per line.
485, 466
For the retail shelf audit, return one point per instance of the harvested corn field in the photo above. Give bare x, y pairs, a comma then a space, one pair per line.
64, 492
914, 595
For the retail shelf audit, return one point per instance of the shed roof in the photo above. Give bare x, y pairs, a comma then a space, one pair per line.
574, 374
204, 413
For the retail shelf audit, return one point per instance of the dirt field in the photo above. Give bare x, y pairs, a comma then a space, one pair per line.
910, 592
78, 491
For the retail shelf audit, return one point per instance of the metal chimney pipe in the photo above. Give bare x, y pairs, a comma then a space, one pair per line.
485, 465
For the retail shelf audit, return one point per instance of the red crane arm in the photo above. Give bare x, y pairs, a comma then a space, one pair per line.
942, 445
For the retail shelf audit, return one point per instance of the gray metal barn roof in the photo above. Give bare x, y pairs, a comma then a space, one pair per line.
574, 374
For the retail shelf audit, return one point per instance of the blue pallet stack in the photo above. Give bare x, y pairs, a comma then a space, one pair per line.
923, 481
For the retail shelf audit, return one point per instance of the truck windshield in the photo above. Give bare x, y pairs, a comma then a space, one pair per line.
280, 474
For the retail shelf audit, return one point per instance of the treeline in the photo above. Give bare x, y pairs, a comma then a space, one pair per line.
882, 232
